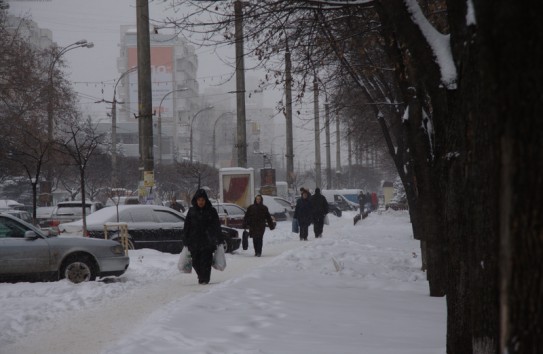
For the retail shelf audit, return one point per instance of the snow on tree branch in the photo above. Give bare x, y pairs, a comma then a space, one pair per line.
439, 43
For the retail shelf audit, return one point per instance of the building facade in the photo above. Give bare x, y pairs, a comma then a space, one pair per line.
175, 88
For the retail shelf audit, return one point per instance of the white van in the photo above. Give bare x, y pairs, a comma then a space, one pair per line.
345, 199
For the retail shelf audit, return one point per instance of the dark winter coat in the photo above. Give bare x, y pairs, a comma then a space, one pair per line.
202, 230
319, 204
304, 212
256, 217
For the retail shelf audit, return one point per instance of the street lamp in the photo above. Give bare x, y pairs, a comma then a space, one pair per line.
160, 122
214, 127
114, 126
79, 44
192, 121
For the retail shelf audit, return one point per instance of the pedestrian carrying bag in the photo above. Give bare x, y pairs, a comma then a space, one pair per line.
245, 240
219, 259
185, 261
295, 226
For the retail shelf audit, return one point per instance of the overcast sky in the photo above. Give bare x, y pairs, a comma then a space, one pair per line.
94, 71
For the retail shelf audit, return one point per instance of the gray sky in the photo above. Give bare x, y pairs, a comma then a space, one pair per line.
94, 71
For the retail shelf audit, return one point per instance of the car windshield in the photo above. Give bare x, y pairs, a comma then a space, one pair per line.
72, 210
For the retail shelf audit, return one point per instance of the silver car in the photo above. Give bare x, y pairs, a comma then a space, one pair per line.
26, 252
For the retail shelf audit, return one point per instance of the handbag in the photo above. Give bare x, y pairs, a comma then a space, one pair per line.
245, 240
219, 259
185, 261
295, 226
326, 221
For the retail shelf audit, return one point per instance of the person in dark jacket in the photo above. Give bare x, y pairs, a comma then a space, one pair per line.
256, 217
201, 234
304, 214
177, 206
320, 209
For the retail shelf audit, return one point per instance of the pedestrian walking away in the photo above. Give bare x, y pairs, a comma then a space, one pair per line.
304, 214
201, 234
320, 209
256, 217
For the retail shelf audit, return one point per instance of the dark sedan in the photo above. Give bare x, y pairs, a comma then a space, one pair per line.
149, 226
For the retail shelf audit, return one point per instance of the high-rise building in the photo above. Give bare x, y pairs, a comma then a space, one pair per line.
175, 90
29, 30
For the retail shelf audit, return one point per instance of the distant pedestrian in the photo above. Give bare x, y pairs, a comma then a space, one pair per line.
374, 201
256, 217
320, 209
174, 204
201, 234
304, 214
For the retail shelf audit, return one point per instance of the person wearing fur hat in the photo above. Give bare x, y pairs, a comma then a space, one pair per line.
256, 217
201, 234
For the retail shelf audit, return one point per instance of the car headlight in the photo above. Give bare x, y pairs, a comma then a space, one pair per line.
117, 250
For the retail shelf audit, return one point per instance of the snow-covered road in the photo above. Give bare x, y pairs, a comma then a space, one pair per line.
89, 330
358, 290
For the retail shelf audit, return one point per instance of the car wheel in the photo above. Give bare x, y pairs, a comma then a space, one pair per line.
335, 212
225, 246
78, 269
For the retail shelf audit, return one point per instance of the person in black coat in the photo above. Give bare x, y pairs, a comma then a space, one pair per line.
320, 209
177, 206
304, 214
201, 234
256, 217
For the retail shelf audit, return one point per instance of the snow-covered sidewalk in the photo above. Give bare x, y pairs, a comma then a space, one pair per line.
359, 289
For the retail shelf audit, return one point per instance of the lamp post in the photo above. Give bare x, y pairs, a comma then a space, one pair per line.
160, 121
192, 121
214, 127
79, 44
114, 126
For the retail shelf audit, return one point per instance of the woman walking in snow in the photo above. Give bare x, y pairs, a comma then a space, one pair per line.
256, 217
304, 214
201, 234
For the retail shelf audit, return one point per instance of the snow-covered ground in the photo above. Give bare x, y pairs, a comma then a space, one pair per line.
359, 289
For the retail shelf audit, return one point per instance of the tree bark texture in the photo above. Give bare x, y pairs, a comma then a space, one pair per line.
511, 36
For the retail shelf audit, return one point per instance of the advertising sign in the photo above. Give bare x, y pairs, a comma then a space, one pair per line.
237, 186
161, 79
267, 181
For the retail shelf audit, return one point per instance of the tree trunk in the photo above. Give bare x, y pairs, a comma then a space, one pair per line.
511, 36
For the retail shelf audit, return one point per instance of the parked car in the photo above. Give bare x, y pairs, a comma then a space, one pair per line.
43, 216
149, 226
27, 253
334, 209
123, 200
280, 208
21, 214
71, 211
230, 214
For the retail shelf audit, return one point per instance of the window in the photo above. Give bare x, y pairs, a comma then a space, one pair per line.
11, 228
166, 216
234, 210
143, 215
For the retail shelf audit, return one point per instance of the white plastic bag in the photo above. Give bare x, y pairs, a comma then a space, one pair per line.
219, 259
185, 261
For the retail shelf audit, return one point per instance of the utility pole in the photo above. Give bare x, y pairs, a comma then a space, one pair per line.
240, 86
145, 100
338, 154
328, 157
318, 179
350, 155
288, 116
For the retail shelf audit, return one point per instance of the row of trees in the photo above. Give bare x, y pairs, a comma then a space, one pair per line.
455, 89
